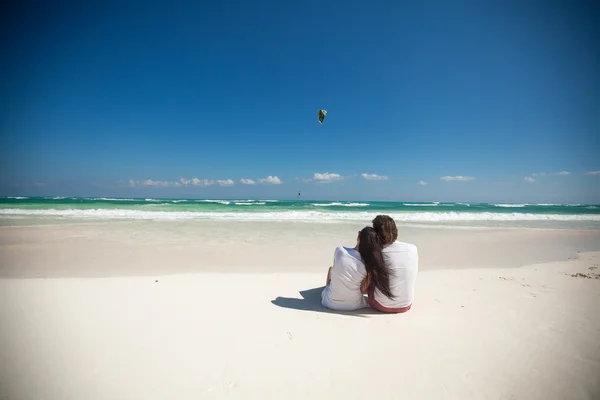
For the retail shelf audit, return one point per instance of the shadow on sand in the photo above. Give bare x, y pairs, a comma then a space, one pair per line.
311, 301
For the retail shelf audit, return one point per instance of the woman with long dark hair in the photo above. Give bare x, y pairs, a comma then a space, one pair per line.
351, 266
370, 247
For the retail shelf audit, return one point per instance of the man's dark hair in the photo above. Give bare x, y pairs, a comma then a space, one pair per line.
386, 228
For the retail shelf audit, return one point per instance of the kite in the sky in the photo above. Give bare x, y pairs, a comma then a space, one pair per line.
299, 194
322, 114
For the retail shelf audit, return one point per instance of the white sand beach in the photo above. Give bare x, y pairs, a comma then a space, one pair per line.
203, 310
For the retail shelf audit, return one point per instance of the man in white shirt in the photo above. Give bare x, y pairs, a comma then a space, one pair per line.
342, 291
402, 260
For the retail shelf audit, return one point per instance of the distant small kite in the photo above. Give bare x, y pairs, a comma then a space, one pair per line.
299, 194
322, 114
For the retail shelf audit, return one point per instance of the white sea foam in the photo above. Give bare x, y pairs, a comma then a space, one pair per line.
423, 204
259, 203
238, 202
293, 215
338, 204
111, 199
510, 205
17, 198
224, 202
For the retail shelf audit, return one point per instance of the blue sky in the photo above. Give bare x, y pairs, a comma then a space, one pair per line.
138, 99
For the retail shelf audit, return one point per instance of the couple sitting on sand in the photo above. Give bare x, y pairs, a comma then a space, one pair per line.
379, 266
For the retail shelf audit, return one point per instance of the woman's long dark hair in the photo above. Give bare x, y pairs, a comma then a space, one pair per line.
369, 247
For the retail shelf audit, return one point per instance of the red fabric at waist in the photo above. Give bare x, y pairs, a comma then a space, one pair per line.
381, 308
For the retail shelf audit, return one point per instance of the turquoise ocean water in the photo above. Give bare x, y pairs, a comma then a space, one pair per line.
570, 216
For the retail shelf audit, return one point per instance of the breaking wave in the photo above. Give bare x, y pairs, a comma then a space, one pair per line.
293, 215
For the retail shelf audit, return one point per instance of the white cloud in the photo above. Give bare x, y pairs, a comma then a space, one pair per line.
457, 178
374, 177
182, 182
593, 172
529, 179
562, 173
270, 180
195, 182
422, 183
150, 182
227, 182
538, 174
244, 181
326, 177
